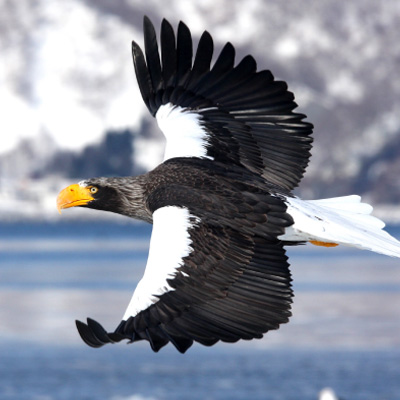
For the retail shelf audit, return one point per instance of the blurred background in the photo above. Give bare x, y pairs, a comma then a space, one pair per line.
71, 109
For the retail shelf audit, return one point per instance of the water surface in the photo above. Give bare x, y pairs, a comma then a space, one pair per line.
344, 333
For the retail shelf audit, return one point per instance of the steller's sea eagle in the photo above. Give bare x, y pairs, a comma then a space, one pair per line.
221, 202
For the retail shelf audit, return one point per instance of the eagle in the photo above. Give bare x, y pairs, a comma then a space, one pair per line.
221, 202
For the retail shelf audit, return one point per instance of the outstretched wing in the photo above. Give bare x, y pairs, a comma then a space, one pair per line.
205, 283
232, 114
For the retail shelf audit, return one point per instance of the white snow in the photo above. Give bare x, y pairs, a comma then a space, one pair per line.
19, 120
346, 87
81, 80
66, 71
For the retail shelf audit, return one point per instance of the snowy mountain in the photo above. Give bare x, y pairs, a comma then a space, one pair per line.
66, 78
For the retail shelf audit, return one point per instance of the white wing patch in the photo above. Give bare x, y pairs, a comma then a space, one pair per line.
342, 220
182, 128
169, 244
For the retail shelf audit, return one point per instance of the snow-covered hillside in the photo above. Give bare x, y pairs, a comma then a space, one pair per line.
66, 71
66, 77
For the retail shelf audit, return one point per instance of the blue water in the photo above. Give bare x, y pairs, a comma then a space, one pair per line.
92, 257
222, 372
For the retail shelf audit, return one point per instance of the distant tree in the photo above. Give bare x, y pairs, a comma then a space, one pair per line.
111, 157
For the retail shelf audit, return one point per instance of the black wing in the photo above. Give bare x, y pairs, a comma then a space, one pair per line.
247, 115
231, 287
233, 283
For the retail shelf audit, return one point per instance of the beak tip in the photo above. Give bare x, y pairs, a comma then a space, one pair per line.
59, 204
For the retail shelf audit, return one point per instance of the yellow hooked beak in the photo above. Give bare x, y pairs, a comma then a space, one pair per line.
72, 196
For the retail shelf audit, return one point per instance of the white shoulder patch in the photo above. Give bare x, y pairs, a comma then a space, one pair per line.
182, 128
169, 244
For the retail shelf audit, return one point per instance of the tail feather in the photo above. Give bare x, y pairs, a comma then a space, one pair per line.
352, 208
341, 220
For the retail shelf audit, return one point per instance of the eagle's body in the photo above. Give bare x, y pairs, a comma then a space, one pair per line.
221, 202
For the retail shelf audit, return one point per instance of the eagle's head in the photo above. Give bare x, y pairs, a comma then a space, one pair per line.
119, 195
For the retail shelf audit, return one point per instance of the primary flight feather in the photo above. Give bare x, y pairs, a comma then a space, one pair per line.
220, 203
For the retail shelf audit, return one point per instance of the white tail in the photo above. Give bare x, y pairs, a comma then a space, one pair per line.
340, 220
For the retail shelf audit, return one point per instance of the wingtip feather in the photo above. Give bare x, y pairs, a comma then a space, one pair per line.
87, 335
